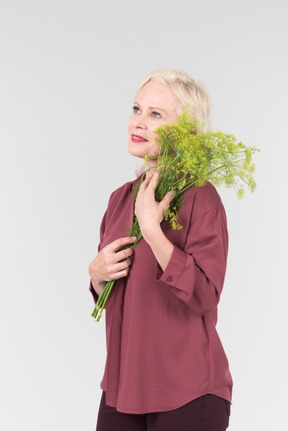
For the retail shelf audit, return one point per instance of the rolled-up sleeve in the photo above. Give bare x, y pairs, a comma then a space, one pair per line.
94, 294
196, 274
102, 230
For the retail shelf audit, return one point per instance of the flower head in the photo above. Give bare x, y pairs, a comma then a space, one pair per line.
189, 156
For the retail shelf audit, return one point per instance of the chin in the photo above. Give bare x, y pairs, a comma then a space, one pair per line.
136, 152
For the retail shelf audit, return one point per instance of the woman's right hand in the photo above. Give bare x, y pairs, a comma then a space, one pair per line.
107, 266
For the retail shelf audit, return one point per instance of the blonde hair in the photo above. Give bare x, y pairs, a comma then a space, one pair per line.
187, 91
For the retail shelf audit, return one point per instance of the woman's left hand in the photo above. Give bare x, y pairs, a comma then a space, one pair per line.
149, 212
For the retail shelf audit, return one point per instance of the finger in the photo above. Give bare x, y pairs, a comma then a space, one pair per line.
150, 173
154, 181
120, 243
144, 184
123, 254
120, 266
120, 271
120, 274
166, 200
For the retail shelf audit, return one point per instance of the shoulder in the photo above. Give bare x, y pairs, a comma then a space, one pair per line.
202, 200
123, 191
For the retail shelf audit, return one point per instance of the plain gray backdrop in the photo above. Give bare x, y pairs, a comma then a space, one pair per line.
69, 71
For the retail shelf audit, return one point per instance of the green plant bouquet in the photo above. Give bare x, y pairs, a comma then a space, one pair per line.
191, 157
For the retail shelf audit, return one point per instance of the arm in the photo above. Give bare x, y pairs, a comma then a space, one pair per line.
196, 274
94, 287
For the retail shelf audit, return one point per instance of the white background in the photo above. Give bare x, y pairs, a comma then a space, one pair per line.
69, 71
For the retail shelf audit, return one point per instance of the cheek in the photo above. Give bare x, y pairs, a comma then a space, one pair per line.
129, 123
155, 136
154, 147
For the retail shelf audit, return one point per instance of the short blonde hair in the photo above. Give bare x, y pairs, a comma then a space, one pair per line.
188, 92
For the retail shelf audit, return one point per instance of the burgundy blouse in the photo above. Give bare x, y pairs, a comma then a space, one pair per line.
163, 350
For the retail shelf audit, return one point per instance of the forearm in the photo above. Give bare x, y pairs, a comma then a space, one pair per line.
98, 286
160, 245
189, 283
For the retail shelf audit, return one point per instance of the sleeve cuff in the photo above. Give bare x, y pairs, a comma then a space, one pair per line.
174, 270
94, 294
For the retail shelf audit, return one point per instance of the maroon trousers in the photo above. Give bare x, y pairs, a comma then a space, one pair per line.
206, 413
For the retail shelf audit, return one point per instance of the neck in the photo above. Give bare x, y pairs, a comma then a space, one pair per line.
150, 164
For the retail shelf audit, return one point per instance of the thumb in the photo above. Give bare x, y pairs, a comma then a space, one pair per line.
166, 200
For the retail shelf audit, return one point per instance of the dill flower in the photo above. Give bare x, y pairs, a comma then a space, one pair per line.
191, 157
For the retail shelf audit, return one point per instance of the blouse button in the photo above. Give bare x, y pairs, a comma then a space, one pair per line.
169, 278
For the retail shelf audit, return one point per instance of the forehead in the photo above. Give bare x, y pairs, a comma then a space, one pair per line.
156, 94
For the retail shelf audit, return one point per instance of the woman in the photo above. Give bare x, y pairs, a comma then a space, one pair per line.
166, 368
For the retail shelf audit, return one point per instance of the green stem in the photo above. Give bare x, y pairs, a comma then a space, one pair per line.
109, 288
103, 298
240, 176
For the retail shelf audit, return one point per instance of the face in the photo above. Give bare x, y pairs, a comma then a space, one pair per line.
154, 106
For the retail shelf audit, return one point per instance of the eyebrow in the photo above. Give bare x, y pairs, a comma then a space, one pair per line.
152, 107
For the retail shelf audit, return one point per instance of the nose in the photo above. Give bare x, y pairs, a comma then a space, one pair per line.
139, 121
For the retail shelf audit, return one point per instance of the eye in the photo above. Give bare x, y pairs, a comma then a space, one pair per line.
135, 109
156, 114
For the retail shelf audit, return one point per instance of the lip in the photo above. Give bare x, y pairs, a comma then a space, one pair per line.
137, 138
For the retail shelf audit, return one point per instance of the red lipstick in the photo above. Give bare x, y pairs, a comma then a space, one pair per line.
137, 138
